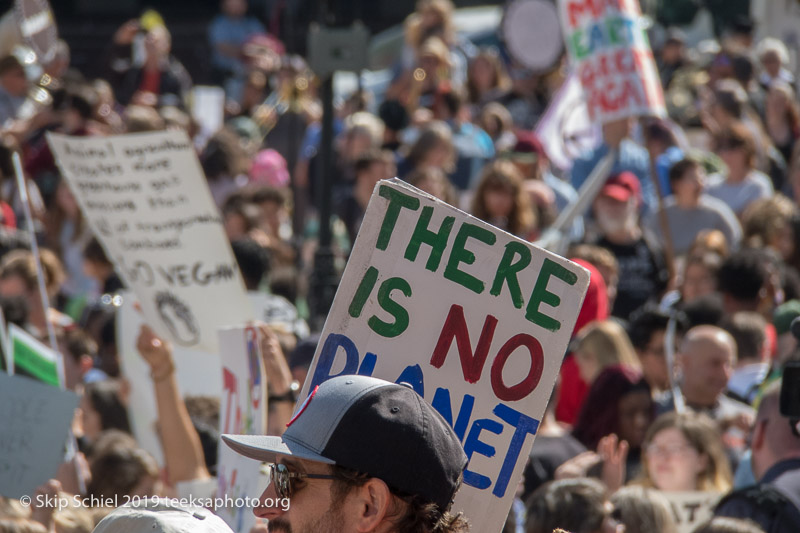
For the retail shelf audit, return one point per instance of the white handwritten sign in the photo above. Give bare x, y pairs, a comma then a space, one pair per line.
691, 508
196, 371
35, 419
147, 201
475, 319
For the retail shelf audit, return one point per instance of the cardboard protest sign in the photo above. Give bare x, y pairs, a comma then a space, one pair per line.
148, 202
691, 509
197, 373
35, 418
244, 392
32, 358
242, 411
610, 52
475, 319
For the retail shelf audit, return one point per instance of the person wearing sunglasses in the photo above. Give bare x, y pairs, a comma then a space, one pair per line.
742, 183
361, 454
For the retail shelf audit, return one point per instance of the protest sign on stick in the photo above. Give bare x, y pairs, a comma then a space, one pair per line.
475, 319
35, 418
243, 408
22, 187
611, 55
148, 202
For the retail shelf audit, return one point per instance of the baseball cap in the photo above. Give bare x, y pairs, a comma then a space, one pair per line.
622, 186
378, 428
161, 515
528, 146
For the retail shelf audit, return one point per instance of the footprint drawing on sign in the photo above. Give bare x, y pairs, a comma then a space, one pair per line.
178, 318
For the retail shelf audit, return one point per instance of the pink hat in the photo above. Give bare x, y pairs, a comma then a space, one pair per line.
269, 167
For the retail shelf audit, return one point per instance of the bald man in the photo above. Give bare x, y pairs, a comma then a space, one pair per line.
706, 358
774, 503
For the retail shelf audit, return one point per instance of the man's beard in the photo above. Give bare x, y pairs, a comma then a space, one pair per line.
330, 522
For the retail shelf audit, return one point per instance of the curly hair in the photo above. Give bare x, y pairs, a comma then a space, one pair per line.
420, 516
764, 219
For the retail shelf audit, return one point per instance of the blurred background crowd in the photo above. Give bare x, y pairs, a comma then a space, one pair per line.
692, 241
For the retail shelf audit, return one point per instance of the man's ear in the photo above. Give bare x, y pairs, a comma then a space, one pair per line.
374, 502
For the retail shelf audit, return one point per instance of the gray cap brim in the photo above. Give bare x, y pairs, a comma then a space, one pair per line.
265, 448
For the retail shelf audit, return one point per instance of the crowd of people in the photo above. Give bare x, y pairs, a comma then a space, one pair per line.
671, 383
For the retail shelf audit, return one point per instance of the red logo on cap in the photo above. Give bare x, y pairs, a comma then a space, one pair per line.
303, 407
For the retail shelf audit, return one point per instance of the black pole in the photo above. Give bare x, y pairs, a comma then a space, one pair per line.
323, 276
326, 156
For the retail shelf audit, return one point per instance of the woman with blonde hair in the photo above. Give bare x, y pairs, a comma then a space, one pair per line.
602, 344
684, 452
433, 22
710, 241
432, 18
767, 223
500, 199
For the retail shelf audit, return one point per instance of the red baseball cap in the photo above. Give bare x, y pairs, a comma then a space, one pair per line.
528, 143
622, 186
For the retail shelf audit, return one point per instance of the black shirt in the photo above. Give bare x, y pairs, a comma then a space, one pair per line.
774, 504
642, 274
547, 454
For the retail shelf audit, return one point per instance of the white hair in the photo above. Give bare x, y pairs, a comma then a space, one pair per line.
364, 122
770, 44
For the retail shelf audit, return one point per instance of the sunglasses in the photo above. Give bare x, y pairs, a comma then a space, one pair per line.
281, 477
